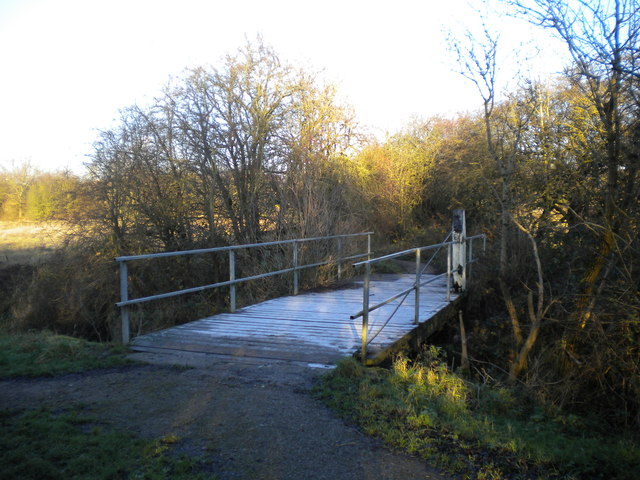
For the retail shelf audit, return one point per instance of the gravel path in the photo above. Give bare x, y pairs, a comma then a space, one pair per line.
244, 418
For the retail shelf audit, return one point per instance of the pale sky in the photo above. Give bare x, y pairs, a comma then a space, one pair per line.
67, 66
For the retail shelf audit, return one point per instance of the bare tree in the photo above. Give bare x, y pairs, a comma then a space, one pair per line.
232, 119
602, 39
506, 124
252, 147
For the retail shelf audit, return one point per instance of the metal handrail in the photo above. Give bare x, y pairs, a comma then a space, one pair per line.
125, 301
235, 247
366, 308
412, 250
396, 296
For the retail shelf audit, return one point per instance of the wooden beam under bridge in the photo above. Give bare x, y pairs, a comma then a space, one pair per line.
419, 335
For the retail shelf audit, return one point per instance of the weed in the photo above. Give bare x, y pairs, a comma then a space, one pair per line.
43, 445
474, 430
46, 354
388, 266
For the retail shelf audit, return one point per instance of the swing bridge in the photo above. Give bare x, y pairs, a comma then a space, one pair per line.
370, 315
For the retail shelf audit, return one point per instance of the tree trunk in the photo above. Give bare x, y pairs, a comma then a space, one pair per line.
520, 363
464, 357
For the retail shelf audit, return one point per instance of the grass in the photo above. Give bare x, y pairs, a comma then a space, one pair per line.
46, 354
52, 445
475, 431
44, 444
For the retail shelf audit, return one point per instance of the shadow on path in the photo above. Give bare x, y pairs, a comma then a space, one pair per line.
244, 418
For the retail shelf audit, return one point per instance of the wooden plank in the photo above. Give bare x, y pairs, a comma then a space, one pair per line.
304, 354
314, 325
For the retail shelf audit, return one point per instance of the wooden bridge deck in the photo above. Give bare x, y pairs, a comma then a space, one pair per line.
310, 327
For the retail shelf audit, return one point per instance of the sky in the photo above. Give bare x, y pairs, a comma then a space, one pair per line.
68, 66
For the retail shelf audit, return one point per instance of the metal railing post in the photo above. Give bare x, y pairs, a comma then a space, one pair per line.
232, 277
470, 258
339, 259
295, 266
124, 296
365, 314
458, 252
449, 247
416, 316
233, 280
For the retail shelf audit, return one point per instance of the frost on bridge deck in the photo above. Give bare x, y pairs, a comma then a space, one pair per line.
311, 327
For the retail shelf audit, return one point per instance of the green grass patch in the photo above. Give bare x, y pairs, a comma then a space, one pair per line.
45, 445
477, 431
47, 354
387, 266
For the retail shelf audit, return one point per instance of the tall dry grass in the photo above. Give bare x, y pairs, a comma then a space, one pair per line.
28, 243
71, 287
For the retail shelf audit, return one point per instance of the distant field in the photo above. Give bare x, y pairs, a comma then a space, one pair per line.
27, 243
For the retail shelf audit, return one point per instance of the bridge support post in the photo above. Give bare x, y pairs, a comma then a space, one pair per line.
124, 296
365, 313
458, 251
416, 315
232, 277
339, 258
449, 274
295, 268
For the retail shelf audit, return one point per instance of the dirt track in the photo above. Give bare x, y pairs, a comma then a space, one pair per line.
244, 418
